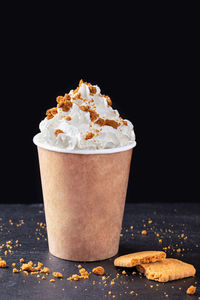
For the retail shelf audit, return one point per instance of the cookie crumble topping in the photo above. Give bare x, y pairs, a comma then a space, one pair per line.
89, 136
58, 131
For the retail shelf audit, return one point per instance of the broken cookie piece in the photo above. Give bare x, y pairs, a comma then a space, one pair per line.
137, 258
166, 270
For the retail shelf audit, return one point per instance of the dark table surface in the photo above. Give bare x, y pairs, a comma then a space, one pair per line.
175, 225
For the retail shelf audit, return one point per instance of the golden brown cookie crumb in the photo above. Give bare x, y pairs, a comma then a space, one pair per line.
52, 280
45, 270
126, 124
93, 115
2, 264
51, 112
89, 136
57, 274
39, 266
77, 96
191, 290
64, 102
21, 260
13, 264
98, 270
124, 272
58, 131
112, 123
79, 266
34, 273
100, 122
25, 272
84, 108
92, 89
178, 250
68, 118
109, 100
27, 267
144, 232
15, 270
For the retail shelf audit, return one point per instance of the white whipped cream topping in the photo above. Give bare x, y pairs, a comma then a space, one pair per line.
75, 130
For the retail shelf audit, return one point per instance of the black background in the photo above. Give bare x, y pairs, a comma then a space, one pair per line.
144, 58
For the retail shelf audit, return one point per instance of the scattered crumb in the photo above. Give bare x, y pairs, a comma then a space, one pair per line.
21, 260
45, 270
191, 290
15, 270
144, 232
52, 280
57, 132
98, 270
2, 264
89, 136
25, 272
57, 274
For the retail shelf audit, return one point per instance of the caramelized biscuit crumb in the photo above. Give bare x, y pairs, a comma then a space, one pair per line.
21, 260
89, 136
126, 124
25, 272
77, 96
112, 123
92, 89
52, 280
2, 264
27, 267
57, 274
45, 270
84, 108
51, 112
144, 232
93, 115
58, 131
64, 102
15, 270
98, 270
100, 122
68, 118
191, 290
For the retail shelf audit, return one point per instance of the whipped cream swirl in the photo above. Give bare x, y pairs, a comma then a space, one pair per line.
84, 120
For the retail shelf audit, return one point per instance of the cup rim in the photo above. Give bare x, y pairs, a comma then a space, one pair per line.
98, 151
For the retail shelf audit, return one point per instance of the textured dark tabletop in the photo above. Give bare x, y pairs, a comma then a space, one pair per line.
169, 227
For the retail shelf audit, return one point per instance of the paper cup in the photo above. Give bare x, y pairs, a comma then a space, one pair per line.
84, 195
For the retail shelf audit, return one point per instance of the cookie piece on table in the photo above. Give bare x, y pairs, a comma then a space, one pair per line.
137, 258
167, 270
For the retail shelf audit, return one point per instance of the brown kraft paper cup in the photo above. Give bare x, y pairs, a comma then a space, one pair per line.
84, 197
